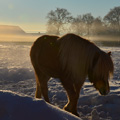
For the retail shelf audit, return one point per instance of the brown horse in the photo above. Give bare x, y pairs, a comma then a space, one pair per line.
70, 58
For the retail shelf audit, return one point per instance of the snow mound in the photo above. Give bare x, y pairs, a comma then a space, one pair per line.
16, 107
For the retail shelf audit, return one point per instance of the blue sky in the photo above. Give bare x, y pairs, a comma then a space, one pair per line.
31, 14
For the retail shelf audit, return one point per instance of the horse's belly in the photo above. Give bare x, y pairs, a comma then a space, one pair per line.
50, 71
49, 63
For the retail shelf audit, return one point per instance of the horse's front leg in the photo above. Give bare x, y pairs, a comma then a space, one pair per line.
71, 106
73, 96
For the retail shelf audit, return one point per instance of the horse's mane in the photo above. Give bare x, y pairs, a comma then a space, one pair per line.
78, 54
103, 65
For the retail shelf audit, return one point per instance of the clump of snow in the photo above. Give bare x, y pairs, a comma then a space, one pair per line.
17, 75
95, 115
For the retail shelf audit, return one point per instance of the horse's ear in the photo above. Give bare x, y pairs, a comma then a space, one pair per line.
109, 53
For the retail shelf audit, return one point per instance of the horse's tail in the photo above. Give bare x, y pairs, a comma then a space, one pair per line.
38, 49
35, 51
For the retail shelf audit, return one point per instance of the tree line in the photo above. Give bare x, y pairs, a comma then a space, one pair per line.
61, 21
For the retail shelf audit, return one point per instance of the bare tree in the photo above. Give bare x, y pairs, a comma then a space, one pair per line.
112, 20
57, 20
98, 26
88, 20
77, 26
82, 24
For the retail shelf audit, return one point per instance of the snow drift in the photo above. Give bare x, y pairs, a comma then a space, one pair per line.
15, 107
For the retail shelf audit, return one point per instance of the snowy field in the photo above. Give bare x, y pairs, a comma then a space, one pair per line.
17, 75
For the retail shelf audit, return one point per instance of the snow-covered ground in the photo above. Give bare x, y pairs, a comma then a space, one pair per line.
17, 75
16, 107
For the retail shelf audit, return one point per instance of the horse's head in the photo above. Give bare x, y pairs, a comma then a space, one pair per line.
102, 85
101, 71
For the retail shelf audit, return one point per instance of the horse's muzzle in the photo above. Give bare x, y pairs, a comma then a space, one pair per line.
104, 91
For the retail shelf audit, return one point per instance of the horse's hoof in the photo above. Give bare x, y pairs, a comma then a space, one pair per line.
76, 114
67, 109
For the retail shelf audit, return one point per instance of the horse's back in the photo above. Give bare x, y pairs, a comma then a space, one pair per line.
44, 54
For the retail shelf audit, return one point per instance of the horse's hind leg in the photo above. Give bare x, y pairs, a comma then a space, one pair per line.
42, 88
38, 88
